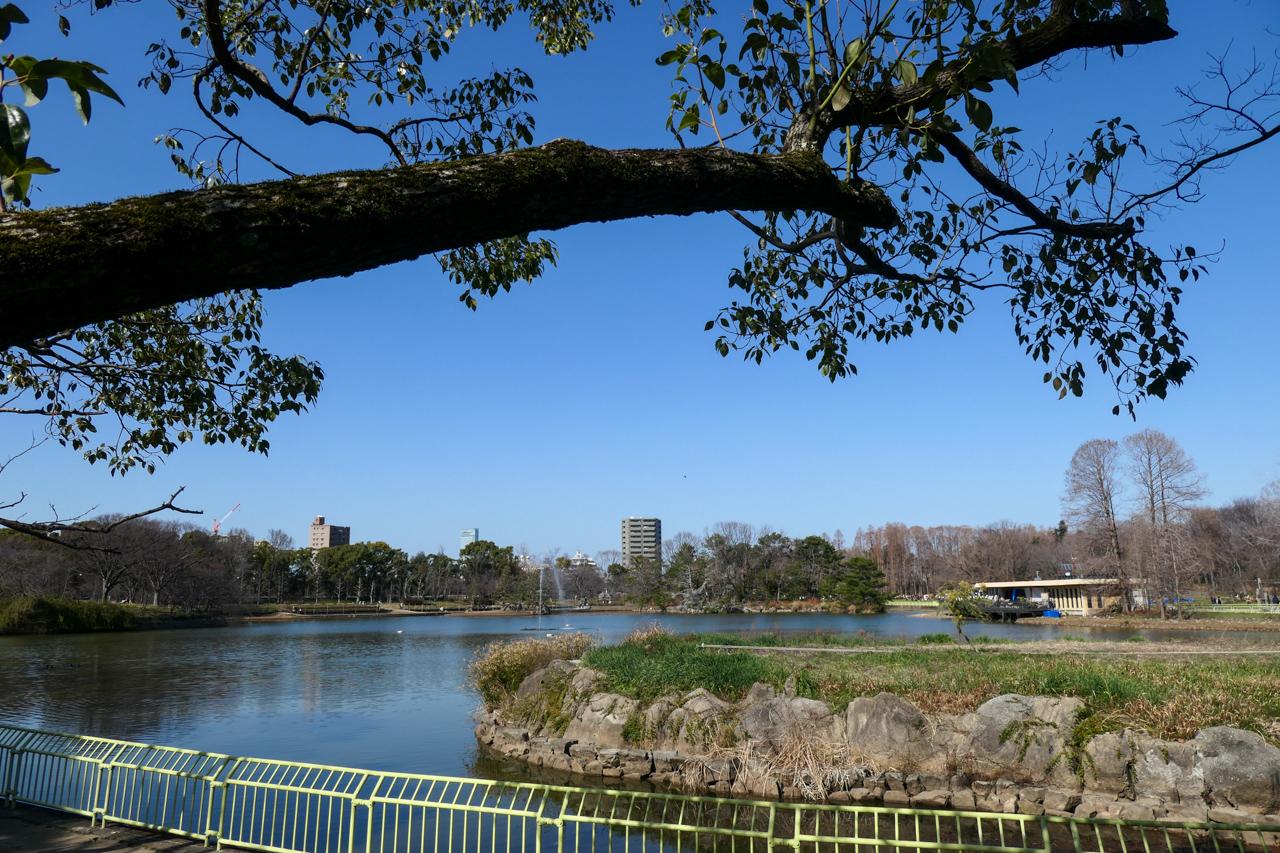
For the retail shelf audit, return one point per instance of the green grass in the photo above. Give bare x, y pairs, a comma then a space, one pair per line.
817, 638
676, 664
38, 614
1168, 698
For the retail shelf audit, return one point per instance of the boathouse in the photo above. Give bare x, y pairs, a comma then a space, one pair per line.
1072, 596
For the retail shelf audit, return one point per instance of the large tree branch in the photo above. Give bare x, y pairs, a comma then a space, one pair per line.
68, 267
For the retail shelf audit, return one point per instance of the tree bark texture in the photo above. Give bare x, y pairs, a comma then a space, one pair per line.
65, 268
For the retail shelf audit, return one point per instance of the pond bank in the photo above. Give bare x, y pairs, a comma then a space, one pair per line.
1162, 732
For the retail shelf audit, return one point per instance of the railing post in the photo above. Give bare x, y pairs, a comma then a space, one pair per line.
222, 808
11, 787
107, 762
537, 823
10, 791
214, 784
351, 834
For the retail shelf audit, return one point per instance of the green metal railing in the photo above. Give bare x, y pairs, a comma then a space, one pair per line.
286, 806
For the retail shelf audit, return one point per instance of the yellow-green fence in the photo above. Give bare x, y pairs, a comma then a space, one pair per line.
285, 806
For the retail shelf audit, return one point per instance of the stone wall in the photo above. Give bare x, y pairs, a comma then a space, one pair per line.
1014, 754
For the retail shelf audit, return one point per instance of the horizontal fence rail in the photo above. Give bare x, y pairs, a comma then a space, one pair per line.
1228, 608
259, 804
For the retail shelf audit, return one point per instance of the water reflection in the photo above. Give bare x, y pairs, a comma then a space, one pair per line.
351, 692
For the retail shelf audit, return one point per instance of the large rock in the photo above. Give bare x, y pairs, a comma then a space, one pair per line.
1168, 771
601, 719
540, 680
775, 723
696, 724
1024, 734
887, 729
587, 680
1108, 764
1240, 769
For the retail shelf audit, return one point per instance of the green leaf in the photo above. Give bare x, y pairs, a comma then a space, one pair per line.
906, 70
9, 15
979, 112
82, 74
841, 97
35, 88
853, 53
15, 132
715, 74
36, 166
83, 105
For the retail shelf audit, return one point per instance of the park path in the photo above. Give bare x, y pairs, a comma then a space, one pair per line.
25, 829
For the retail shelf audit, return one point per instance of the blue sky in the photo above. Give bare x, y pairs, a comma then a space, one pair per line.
560, 408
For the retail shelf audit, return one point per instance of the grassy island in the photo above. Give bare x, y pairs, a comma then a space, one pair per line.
1168, 689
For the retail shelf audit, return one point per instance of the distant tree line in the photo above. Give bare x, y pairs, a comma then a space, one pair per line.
161, 563
1131, 511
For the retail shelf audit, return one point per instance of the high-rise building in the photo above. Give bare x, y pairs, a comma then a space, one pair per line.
641, 537
469, 535
328, 535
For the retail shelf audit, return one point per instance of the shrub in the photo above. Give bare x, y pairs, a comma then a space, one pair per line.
497, 670
934, 639
38, 614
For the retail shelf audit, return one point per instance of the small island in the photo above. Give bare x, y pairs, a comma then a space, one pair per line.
1131, 730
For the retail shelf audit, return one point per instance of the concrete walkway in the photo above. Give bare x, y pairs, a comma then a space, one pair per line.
25, 829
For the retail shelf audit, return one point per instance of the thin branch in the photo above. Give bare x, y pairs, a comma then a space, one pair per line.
199, 78
1005, 191
793, 248
257, 81
50, 531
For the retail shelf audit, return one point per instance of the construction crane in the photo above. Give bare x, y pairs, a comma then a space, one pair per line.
218, 523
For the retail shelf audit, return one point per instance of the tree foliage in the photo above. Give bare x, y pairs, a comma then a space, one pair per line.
158, 379
942, 198
900, 97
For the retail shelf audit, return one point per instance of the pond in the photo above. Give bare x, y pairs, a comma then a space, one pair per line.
374, 693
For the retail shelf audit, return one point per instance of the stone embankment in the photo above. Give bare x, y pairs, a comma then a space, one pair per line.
1014, 754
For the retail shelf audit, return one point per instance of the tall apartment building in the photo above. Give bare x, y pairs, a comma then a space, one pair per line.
328, 535
641, 537
469, 535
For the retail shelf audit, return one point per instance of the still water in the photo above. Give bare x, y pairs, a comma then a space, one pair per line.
379, 694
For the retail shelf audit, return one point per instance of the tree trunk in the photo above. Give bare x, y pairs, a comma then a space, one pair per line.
66, 268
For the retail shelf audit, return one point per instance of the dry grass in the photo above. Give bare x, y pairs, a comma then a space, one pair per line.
497, 670
1172, 699
808, 763
647, 635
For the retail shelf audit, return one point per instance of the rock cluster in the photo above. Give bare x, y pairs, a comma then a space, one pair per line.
1014, 754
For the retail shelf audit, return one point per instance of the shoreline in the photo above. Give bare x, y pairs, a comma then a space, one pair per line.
1261, 624
1033, 752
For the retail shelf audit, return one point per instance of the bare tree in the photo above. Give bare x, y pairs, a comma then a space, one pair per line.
1168, 486
1092, 490
1001, 551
